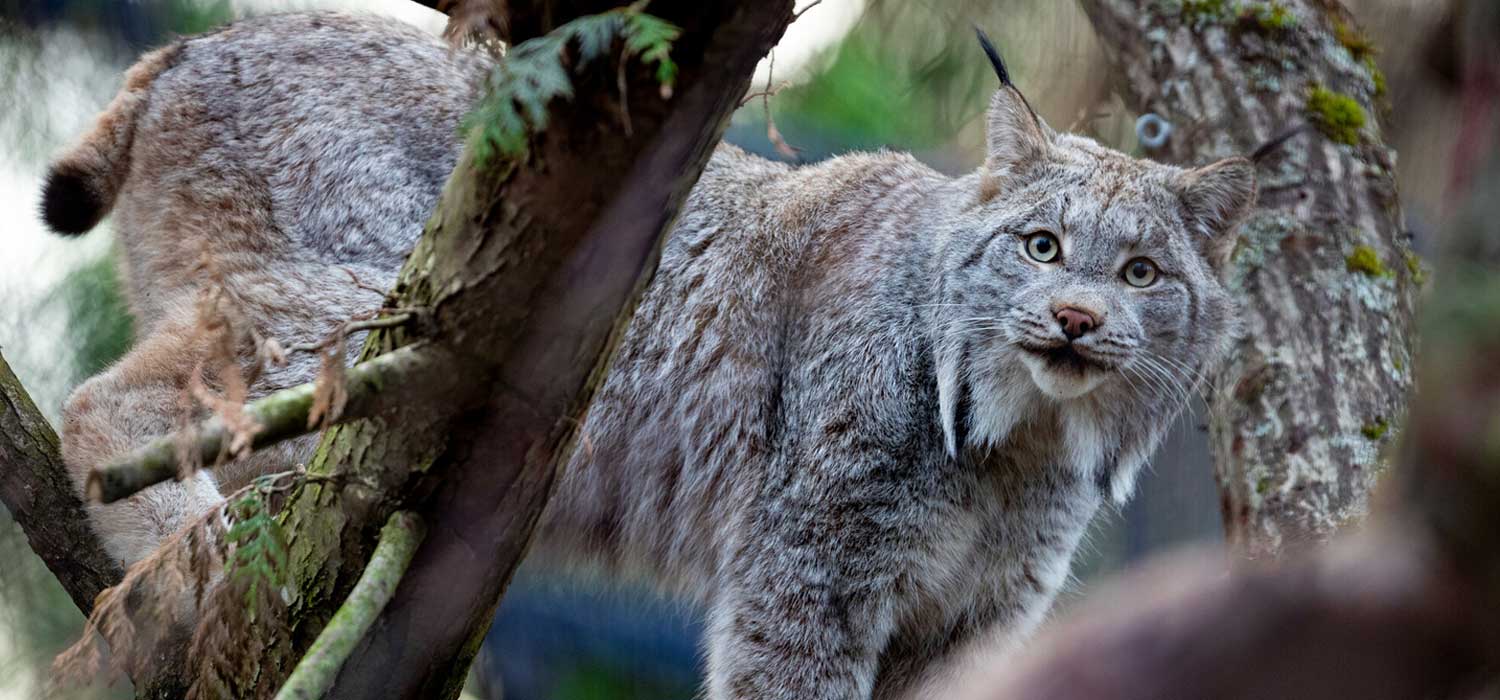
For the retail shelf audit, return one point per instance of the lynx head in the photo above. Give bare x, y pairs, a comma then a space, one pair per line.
1083, 281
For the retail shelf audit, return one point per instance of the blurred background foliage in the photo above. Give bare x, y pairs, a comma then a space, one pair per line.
850, 75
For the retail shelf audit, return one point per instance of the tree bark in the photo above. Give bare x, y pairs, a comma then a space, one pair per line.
531, 269
1325, 275
317, 670
499, 476
36, 489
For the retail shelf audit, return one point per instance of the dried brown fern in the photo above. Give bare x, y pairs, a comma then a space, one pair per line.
226, 571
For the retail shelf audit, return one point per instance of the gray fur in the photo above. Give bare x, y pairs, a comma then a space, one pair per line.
821, 424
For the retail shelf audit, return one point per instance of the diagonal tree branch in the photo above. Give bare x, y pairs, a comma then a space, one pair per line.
371, 387
531, 267
36, 489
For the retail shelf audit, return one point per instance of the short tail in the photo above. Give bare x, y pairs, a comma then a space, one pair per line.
82, 184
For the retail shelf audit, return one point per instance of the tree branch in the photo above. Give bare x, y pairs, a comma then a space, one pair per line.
371, 385
36, 489
532, 267
596, 233
315, 672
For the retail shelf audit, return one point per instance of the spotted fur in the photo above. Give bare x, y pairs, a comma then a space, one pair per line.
823, 424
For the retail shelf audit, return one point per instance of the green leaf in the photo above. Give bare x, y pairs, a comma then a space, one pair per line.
532, 75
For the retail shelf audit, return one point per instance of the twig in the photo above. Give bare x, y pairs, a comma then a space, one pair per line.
397, 318
772, 133
315, 673
798, 14
281, 416
360, 283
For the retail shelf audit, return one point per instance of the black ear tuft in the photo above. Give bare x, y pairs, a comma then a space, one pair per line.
995, 60
69, 204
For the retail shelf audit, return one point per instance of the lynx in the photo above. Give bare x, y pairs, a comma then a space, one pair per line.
863, 413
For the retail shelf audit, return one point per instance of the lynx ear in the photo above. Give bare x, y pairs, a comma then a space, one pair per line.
1014, 134
1216, 199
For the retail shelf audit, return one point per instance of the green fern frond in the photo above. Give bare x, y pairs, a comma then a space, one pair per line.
651, 39
260, 560
533, 74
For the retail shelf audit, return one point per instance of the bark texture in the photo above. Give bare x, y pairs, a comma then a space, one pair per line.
36, 489
316, 671
1303, 415
531, 269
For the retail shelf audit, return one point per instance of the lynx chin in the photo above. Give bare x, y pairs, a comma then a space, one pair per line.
863, 413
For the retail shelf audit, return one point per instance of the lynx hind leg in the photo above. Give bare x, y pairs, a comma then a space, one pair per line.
114, 412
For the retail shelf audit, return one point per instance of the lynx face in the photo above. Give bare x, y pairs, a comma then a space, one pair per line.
1086, 281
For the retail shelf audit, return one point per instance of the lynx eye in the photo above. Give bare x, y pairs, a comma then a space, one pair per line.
1043, 247
1140, 272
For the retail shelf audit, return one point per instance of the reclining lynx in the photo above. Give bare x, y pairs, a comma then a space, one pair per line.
863, 413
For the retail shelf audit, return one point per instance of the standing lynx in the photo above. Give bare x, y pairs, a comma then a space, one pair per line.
863, 413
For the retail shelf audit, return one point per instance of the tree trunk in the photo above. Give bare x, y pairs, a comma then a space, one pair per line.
531, 270
36, 489
1326, 277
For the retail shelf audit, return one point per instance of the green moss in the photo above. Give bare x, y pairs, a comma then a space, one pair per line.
1205, 10
1414, 266
1398, 363
1359, 45
1265, 17
1263, 486
1269, 17
1337, 115
1365, 260
1377, 76
1375, 430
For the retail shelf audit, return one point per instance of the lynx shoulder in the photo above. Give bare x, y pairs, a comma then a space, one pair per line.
864, 411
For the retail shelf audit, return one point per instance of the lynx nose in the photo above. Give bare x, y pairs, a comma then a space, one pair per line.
1075, 322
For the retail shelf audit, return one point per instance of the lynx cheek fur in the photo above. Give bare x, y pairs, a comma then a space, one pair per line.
863, 413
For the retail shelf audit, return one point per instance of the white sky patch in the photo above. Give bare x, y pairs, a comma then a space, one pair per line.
807, 39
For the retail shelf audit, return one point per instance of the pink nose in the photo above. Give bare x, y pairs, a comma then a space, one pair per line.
1075, 322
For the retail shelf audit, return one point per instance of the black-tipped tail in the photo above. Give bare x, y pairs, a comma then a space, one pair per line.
995, 60
70, 204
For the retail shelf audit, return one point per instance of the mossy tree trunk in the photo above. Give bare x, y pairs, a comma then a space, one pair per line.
36, 489
1325, 274
531, 269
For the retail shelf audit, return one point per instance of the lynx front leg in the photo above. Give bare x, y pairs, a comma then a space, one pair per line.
805, 614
